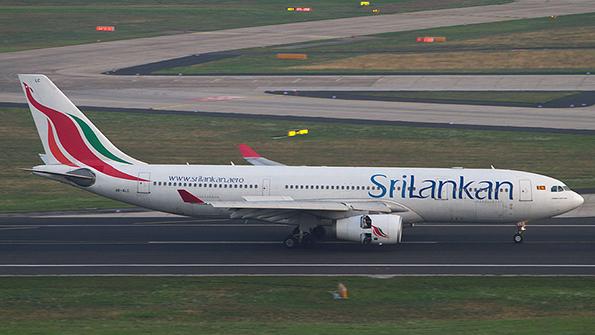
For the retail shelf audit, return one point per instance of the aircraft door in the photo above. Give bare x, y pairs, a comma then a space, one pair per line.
144, 186
266, 186
525, 190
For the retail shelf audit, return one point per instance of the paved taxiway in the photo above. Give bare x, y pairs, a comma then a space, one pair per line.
135, 244
76, 69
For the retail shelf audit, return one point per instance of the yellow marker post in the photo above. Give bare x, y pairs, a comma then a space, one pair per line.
296, 132
343, 293
364, 3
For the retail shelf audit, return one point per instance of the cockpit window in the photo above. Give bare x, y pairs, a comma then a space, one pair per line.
557, 188
566, 188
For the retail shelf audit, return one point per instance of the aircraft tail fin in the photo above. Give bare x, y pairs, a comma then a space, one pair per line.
68, 136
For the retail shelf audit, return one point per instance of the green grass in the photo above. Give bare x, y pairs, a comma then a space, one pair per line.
297, 305
41, 24
564, 37
177, 139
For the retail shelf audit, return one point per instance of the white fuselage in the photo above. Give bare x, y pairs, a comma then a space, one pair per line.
428, 194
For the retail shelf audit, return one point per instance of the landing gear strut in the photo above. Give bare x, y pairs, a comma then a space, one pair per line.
300, 237
521, 227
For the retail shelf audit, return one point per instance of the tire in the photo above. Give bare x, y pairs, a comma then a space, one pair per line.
517, 238
290, 243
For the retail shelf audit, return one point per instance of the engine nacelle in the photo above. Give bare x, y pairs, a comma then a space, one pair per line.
371, 229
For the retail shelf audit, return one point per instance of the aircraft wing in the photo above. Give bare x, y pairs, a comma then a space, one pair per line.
254, 158
284, 209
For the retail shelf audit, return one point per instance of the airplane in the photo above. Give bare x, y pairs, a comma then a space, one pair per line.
368, 205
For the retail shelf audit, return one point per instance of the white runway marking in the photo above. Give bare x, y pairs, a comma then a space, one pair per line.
143, 224
19, 228
214, 242
297, 265
421, 225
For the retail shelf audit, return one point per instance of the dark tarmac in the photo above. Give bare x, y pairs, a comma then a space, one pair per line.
121, 245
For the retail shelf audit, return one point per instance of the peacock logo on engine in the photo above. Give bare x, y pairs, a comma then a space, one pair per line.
378, 232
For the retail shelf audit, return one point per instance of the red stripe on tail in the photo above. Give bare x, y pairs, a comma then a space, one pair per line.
55, 150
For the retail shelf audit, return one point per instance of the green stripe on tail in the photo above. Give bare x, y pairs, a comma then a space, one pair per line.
95, 142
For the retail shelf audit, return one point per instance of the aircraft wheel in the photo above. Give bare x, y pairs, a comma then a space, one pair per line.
518, 238
290, 242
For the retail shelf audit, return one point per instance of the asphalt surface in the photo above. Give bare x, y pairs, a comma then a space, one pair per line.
167, 244
78, 71
581, 99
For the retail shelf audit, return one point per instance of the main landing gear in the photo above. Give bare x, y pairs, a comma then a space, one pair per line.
300, 237
521, 227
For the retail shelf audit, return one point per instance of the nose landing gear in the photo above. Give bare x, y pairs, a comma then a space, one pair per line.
521, 227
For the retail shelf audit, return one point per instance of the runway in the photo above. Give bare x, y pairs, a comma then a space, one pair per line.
77, 70
135, 244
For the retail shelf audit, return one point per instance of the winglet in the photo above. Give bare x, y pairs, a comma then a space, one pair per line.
247, 151
189, 197
254, 158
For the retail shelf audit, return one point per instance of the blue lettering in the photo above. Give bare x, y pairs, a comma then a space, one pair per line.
487, 189
379, 185
441, 184
431, 187
393, 187
500, 184
464, 188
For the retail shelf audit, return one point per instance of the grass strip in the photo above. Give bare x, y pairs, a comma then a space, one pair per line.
297, 305
565, 44
42, 24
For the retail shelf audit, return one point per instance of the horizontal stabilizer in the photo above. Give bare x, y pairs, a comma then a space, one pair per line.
61, 174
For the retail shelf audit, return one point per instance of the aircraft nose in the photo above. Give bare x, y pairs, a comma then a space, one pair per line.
579, 199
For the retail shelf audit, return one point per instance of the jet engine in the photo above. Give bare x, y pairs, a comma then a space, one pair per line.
370, 229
